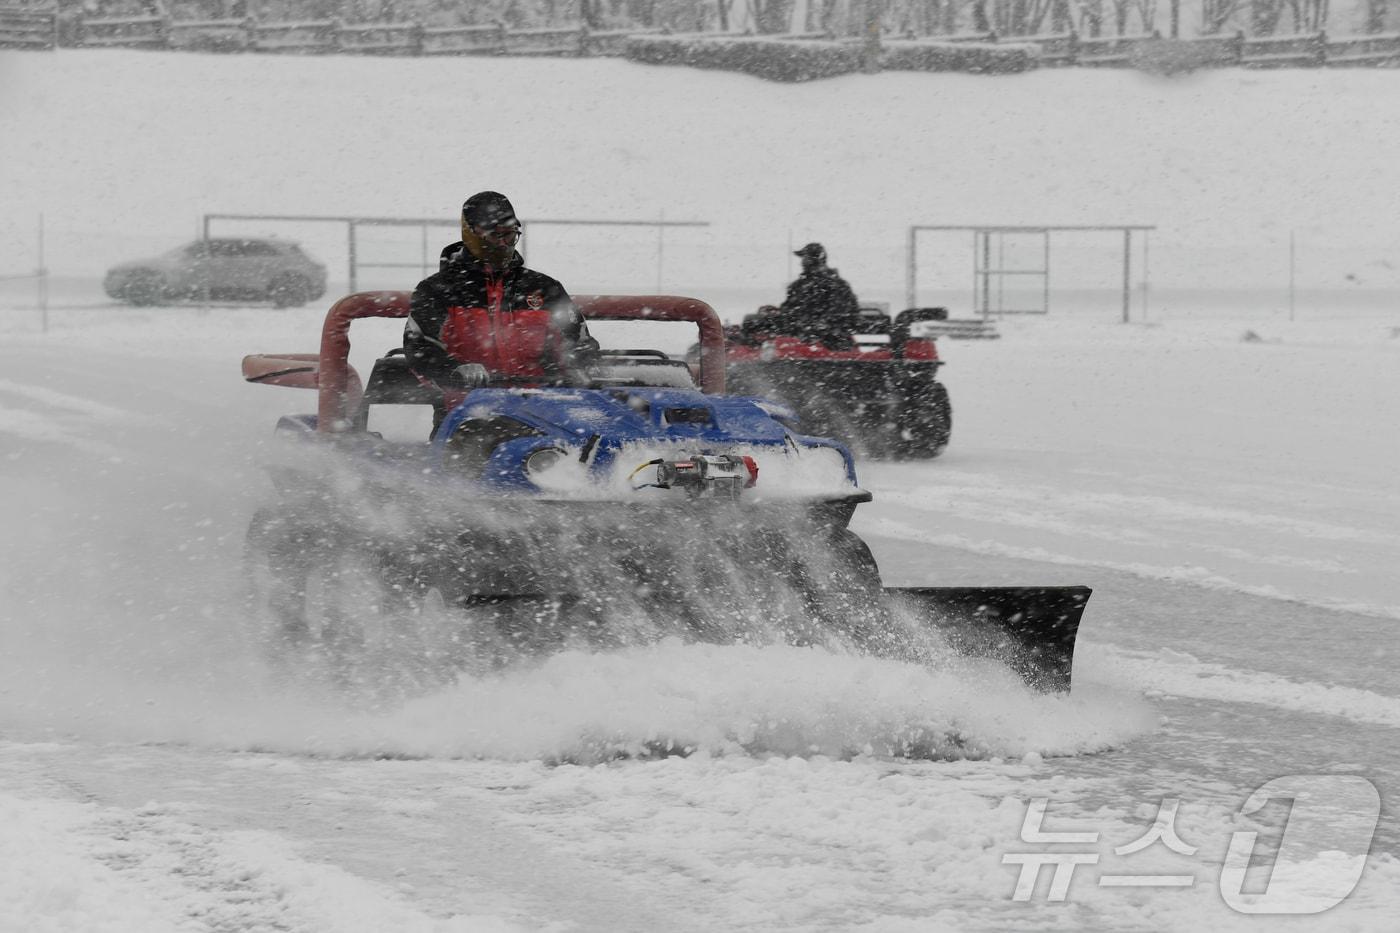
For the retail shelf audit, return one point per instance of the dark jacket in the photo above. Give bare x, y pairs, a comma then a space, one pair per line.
820, 305
518, 323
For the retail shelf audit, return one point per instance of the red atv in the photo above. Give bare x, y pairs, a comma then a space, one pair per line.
876, 390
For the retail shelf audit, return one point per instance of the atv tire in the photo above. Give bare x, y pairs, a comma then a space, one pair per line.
927, 425
325, 605
857, 558
839, 583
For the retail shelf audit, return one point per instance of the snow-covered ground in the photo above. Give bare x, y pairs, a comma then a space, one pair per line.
1223, 476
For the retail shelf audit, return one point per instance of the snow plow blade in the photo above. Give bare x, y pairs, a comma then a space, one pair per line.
1029, 628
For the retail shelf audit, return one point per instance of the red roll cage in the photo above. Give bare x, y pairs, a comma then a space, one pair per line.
340, 388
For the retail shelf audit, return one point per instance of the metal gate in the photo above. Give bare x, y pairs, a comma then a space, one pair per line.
991, 272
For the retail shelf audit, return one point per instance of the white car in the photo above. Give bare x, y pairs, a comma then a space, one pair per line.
221, 269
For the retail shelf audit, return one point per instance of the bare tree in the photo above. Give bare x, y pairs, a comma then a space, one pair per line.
1264, 16
1147, 12
722, 11
980, 21
911, 17
1120, 16
771, 16
642, 12
950, 17
1375, 15
1091, 17
931, 16
1022, 17
1215, 14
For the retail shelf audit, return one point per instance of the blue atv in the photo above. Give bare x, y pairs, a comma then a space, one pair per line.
641, 504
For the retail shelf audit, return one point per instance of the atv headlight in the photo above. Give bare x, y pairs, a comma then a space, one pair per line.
543, 460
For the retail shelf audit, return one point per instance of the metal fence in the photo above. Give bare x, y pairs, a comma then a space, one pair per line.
360, 260
1312, 273
26, 27
158, 28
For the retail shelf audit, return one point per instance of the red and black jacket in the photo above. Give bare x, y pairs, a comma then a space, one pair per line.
518, 323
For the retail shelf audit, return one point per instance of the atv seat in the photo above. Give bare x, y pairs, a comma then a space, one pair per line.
392, 383
873, 320
906, 325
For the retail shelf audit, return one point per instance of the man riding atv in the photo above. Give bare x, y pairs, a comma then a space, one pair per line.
484, 317
820, 306
863, 378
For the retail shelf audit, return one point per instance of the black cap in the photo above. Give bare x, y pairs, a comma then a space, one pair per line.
812, 251
488, 209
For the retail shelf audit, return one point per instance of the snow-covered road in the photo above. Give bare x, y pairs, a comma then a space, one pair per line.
156, 777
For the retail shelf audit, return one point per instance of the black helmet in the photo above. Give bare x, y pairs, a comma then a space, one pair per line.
812, 251
487, 209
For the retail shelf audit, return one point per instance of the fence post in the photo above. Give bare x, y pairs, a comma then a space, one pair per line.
1127, 273
1072, 48
68, 25
1321, 50
415, 39
1237, 45
870, 43
43, 282
911, 270
1292, 274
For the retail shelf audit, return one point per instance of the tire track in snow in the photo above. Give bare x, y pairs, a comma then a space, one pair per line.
1041, 507
52, 417
238, 841
19, 427
1178, 673
163, 871
254, 880
1193, 575
76, 404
